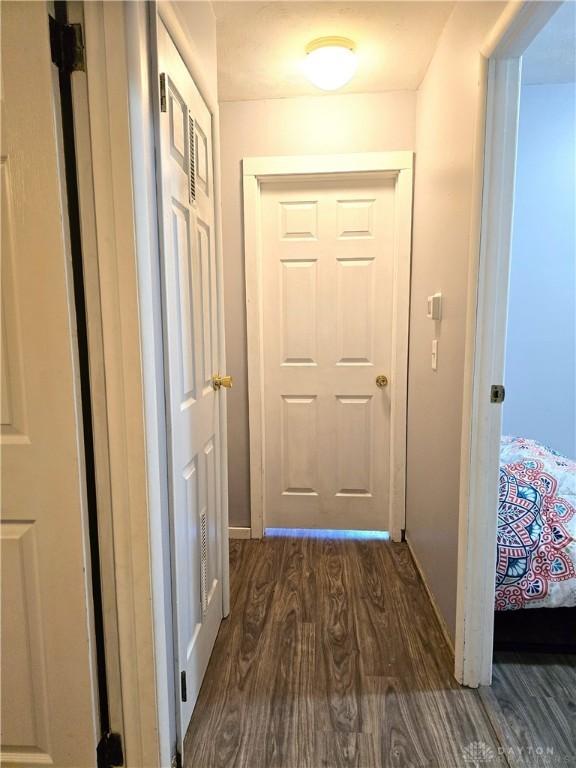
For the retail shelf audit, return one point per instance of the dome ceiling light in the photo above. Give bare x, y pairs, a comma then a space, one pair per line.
330, 62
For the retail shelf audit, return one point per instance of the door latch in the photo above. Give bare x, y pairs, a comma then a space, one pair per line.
497, 393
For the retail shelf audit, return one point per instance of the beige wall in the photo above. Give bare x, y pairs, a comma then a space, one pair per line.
308, 125
439, 122
199, 24
447, 111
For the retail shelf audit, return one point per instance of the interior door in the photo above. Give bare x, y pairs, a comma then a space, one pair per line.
48, 688
327, 276
191, 305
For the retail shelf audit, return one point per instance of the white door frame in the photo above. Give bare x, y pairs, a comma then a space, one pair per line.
486, 335
257, 171
122, 74
129, 535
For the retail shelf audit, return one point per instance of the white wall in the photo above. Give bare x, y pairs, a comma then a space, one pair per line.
541, 341
446, 118
299, 126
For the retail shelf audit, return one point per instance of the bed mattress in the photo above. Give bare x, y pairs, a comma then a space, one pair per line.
536, 554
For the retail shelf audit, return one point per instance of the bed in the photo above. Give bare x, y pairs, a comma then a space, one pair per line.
536, 553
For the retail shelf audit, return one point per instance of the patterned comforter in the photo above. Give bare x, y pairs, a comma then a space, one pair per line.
536, 558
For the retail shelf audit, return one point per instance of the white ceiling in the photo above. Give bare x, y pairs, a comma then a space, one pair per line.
551, 58
261, 45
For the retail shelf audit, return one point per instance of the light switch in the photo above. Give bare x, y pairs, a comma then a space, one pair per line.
434, 354
434, 307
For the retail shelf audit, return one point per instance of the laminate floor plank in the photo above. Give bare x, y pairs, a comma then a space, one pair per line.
339, 705
332, 657
345, 750
290, 714
544, 674
428, 728
380, 635
532, 705
296, 591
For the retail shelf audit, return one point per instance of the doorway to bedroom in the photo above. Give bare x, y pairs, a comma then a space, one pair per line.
536, 557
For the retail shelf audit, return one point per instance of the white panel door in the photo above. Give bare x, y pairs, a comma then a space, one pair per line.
48, 702
191, 305
327, 276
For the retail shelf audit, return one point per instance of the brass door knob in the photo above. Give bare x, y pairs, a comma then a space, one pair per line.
221, 381
381, 381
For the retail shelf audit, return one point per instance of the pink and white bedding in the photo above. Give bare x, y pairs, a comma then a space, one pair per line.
536, 558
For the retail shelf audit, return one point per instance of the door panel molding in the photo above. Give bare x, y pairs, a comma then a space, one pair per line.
356, 222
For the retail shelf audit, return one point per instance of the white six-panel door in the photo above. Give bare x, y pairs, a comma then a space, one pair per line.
327, 281
48, 679
191, 304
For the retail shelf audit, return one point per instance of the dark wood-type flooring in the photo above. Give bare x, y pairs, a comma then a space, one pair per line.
332, 656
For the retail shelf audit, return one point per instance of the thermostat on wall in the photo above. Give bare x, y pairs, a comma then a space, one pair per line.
435, 307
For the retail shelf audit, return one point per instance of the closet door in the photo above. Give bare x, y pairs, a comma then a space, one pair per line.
49, 710
191, 302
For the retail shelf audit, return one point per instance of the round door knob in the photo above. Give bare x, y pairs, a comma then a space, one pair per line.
381, 381
221, 381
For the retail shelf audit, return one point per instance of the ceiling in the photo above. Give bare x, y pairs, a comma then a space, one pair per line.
261, 45
551, 58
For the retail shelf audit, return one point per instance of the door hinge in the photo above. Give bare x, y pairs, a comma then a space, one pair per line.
67, 46
183, 687
163, 93
176, 759
497, 393
109, 752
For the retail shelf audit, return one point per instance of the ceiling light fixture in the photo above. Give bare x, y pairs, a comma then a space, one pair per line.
330, 62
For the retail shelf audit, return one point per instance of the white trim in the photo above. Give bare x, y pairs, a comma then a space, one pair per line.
517, 28
139, 62
259, 170
486, 333
84, 164
239, 533
288, 165
120, 66
113, 198
477, 615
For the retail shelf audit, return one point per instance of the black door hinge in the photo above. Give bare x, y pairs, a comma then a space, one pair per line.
67, 46
497, 393
109, 752
183, 687
176, 760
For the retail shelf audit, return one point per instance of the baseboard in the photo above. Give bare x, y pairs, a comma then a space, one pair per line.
443, 627
239, 533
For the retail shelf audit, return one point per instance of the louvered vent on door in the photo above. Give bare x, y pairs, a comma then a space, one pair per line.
204, 561
192, 157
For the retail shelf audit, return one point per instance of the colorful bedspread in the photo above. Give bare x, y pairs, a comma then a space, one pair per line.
536, 558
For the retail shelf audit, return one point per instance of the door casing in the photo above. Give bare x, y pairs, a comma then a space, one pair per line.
487, 302
257, 171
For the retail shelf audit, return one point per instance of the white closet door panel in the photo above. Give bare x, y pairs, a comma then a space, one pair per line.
47, 666
191, 303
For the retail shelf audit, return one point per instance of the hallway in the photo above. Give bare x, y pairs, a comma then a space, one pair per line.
332, 656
